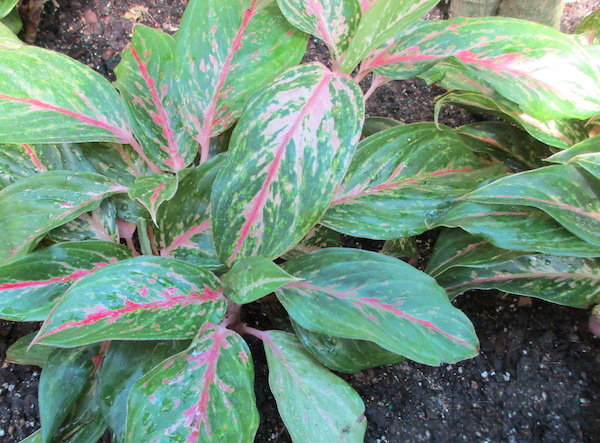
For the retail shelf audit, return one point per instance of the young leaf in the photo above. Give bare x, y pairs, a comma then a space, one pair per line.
333, 21
382, 20
585, 154
22, 352
124, 364
205, 393
184, 230
343, 354
30, 286
368, 296
35, 205
315, 404
561, 191
145, 79
252, 278
400, 179
144, 298
239, 47
518, 59
153, 190
288, 153
68, 103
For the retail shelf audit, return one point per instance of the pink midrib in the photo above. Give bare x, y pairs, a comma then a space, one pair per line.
34, 158
183, 238
559, 275
66, 278
259, 201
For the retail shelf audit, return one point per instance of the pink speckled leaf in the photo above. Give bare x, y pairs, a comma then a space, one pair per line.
288, 153
153, 190
548, 74
144, 298
239, 46
205, 393
333, 21
30, 286
363, 295
145, 79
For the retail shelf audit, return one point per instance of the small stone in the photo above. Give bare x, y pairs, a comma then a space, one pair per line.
90, 17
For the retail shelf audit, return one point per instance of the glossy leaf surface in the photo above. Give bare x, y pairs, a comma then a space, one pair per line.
368, 296
205, 393
315, 404
22, 353
153, 190
30, 286
6, 6
47, 97
317, 238
585, 154
144, 298
100, 224
288, 153
37, 204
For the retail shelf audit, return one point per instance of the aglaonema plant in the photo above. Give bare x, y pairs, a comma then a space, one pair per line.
142, 218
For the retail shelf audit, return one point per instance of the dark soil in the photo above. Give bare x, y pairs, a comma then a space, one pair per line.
537, 377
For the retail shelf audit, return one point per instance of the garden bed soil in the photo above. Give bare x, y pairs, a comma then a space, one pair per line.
536, 379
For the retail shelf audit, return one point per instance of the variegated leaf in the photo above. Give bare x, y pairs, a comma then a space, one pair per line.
184, 221
344, 354
47, 97
333, 21
382, 19
145, 79
119, 162
8, 39
205, 393
315, 404
561, 191
519, 228
6, 6
288, 153
318, 237
35, 205
590, 27
30, 286
517, 59
368, 296
124, 364
144, 298
22, 352
400, 247
100, 224
239, 47
585, 154
153, 190
400, 179
252, 278
373, 125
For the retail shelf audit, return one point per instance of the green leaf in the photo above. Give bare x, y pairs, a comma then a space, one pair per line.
100, 224
585, 154
343, 354
315, 404
35, 205
205, 393
373, 125
9, 27
47, 97
252, 278
333, 21
520, 228
36, 437
561, 191
590, 27
119, 162
146, 81
6, 6
368, 296
144, 298
400, 247
153, 190
239, 47
30, 286
184, 221
382, 19
317, 238
22, 352
288, 153
518, 59
400, 180
124, 364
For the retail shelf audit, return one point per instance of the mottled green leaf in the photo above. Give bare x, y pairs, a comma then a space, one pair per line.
205, 393
590, 27
585, 154
333, 21
9, 26
145, 79
363, 295
315, 404
22, 352
119, 162
144, 298
373, 125
252, 278
100, 224
343, 354
47, 97
30, 286
35, 205
518, 59
288, 153
400, 247
153, 190
318, 237
399, 181
239, 47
